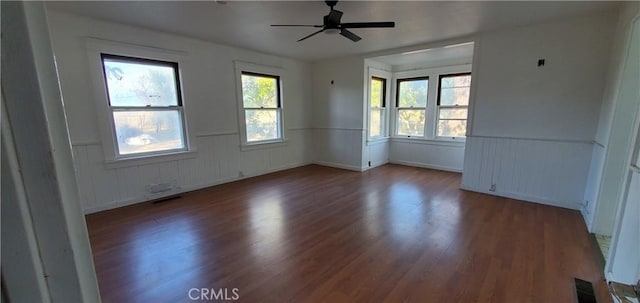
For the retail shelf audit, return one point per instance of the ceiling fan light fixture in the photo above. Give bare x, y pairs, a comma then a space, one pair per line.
331, 31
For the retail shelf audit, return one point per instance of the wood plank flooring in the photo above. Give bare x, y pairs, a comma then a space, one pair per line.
318, 234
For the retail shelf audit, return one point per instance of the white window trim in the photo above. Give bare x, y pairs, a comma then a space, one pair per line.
240, 67
95, 48
432, 106
374, 72
447, 138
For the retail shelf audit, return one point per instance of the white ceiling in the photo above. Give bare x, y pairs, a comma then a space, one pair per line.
432, 55
246, 24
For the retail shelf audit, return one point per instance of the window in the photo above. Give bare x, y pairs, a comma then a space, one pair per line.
145, 105
262, 107
411, 103
378, 107
453, 104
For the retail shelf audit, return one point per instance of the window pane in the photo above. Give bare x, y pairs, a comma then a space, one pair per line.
376, 123
262, 124
456, 81
453, 113
452, 128
148, 131
413, 93
454, 96
411, 122
377, 92
259, 91
140, 83
454, 90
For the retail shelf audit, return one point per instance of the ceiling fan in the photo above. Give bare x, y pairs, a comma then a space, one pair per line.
332, 25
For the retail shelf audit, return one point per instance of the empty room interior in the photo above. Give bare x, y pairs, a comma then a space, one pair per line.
320, 151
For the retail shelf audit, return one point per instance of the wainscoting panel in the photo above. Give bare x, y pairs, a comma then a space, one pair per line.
376, 153
428, 154
545, 171
218, 159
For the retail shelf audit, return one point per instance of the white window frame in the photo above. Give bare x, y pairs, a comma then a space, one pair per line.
387, 76
398, 108
95, 49
241, 67
451, 106
432, 95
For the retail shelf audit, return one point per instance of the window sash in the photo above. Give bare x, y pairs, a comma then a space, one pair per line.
397, 120
438, 119
444, 76
398, 84
279, 131
278, 95
383, 124
141, 61
145, 108
183, 130
383, 94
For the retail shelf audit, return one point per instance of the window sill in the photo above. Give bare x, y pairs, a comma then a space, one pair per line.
150, 159
263, 145
441, 142
377, 140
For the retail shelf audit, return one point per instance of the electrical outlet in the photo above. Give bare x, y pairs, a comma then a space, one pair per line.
493, 188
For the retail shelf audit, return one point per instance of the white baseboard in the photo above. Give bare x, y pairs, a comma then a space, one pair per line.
338, 165
575, 206
184, 189
425, 165
365, 168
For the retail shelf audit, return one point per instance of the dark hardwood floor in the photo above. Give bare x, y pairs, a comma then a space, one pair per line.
318, 234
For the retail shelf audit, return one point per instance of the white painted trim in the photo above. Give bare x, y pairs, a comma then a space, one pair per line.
378, 140
156, 158
525, 198
86, 143
182, 190
338, 165
387, 76
99, 44
431, 108
239, 68
94, 48
263, 145
365, 168
338, 128
588, 142
429, 166
428, 142
598, 144
213, 134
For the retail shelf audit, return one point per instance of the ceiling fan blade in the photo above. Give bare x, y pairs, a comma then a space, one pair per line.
309, 36
350, 35
304, 25
367, 24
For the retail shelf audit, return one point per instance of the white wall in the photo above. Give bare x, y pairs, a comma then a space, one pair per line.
42, 186
338, 133
208, 78
545, 117
608, 164
375, 152
623, 264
